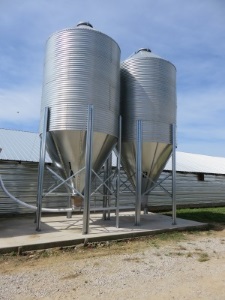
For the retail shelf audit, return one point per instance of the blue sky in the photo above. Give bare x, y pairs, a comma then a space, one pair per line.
190, 34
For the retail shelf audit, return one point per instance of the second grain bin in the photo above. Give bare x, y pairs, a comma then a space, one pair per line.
148, 93
81, 68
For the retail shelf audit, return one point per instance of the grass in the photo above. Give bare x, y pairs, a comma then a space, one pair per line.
215, 216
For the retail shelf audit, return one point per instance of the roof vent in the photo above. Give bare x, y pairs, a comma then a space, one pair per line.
84, 24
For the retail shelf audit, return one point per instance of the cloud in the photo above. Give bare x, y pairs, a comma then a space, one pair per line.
190, 34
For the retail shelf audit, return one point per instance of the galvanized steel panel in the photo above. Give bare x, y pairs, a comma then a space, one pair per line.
82, 67
148, 93
21, 181
20, 146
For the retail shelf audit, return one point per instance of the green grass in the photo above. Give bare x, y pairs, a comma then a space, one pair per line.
212, 215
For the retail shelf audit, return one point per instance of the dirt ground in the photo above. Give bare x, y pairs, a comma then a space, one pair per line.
169, 266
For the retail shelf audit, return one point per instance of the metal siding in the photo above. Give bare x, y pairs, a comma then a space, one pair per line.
191, 191
21, 181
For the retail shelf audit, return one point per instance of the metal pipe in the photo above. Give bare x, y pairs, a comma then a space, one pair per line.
41, 167
88, 170
174, 208
138, 172
20, 202
118, 171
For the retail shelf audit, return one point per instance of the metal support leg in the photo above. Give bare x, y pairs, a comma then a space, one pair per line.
109, 184
69, 213
174, 175
118, 172
138, 172
88, 170
106, 192
41, 167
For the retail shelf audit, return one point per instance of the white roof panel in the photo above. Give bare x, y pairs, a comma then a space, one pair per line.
24, 146
20, 146
197, 163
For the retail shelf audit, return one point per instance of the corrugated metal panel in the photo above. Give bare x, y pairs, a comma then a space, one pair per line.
24, 146
193, 163
191, 191
197, 163
21, 182
20, 146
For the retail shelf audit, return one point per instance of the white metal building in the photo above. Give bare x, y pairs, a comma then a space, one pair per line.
200, 178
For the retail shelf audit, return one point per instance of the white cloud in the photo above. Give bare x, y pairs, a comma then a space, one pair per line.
190, 34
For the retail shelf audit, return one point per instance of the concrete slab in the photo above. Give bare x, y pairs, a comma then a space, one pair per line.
19, 232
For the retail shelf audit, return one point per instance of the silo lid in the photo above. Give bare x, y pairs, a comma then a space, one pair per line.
142, 53
84, 24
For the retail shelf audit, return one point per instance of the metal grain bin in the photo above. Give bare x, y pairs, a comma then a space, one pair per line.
148, 93
82, 67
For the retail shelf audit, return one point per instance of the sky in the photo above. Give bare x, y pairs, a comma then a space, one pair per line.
190, 34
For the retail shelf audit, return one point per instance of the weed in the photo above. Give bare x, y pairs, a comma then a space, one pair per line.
182, 247
198, 249
203, 257
72, 276
135, 259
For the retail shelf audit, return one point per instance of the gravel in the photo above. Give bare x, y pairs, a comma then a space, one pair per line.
194, 269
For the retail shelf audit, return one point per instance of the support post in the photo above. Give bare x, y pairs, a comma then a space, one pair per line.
106, 192
138, 172
118, 171
174, 175
88, 170
41, 167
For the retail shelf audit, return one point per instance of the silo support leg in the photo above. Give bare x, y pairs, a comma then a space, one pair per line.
88, 170
174, 176
138, 172
41, 167
118, 171
106, 192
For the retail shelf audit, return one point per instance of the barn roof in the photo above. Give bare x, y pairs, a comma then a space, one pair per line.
24, 146
20, 146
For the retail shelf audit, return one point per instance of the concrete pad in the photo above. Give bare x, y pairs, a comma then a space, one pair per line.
19, 232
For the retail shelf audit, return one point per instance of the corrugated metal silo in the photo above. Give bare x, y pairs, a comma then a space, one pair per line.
82, 67
148, 93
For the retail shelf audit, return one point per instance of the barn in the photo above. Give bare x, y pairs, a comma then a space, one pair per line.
200, 179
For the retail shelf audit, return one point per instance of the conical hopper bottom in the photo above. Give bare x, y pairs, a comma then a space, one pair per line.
67, 150
154, 159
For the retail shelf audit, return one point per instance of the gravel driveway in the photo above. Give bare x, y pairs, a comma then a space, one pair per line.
193, 268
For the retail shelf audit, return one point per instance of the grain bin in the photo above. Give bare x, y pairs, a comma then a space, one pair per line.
148, 93
81, 67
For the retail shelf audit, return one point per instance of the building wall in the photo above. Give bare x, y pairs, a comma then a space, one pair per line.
191, 191
21, 181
